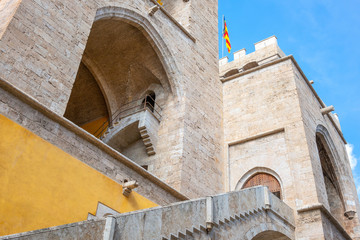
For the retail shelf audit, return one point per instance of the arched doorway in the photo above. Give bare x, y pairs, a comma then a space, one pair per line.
264, 179
273, 235
149, 101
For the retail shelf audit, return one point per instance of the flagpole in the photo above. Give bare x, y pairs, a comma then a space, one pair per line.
222, 38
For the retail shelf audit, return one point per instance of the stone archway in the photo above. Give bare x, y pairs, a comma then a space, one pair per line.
331, 178
152, 35
264, 179
123, 57
273, 235
262, 176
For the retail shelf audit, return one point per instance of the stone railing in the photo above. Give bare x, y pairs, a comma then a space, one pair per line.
245, 212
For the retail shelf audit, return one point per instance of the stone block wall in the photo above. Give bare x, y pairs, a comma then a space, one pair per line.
43, 46
314, 122
83, 146
262, 128
246, 213
87, 230
271, 117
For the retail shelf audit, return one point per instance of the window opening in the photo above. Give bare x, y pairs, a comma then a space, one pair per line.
149, 101
264, 179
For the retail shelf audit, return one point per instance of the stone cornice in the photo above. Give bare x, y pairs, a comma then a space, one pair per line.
261, 135
88, 137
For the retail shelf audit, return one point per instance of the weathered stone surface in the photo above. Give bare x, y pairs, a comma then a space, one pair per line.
247, 215
263, 116
272, 116
44, 43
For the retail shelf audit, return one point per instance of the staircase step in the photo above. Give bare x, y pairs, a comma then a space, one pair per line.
181, 235
150, 153
173, 237
188, 232
202, 228
150, 148
196, 230
147, 142
143, 131
144, 135
142, 128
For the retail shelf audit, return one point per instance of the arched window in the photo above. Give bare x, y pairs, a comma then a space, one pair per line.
264, 179
149, 101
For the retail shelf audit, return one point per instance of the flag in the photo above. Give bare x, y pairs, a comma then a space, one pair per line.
226, 37
159, 2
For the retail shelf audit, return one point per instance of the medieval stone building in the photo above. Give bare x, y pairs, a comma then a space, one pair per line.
118, 121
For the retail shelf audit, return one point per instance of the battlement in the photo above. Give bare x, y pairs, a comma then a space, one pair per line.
266, 50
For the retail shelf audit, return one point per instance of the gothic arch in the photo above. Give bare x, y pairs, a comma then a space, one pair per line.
258, 170
265, 234
153, 36
124, 56
105, 89
324, 134
332, 172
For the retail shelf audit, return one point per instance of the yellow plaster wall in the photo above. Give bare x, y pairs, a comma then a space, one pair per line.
43, 186
93, 126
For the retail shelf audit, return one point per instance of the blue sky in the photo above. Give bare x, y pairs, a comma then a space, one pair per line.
323, 36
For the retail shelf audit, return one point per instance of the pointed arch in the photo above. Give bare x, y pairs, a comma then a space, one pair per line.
332, 172
153, 36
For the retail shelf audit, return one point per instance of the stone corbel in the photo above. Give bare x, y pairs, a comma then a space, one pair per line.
327, 110
350, 214
128, 187
153, 10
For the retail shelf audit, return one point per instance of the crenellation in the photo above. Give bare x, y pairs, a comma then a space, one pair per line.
265, 51
134, 91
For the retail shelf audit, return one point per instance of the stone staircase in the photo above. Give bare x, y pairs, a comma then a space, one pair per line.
147, 126
150, 150
235, 215
191, 233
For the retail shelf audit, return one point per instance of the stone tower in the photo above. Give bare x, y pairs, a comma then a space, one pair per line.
106, 57
279, 132
110, 108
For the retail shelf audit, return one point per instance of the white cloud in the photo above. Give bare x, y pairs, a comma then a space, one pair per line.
353, 160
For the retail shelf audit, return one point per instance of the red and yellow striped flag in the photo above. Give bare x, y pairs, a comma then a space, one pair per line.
226, 37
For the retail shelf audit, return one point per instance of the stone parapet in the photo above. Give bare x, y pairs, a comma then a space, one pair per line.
244, 213
266, 51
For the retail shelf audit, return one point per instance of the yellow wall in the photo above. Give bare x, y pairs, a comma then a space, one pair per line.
42, 186
93, 126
